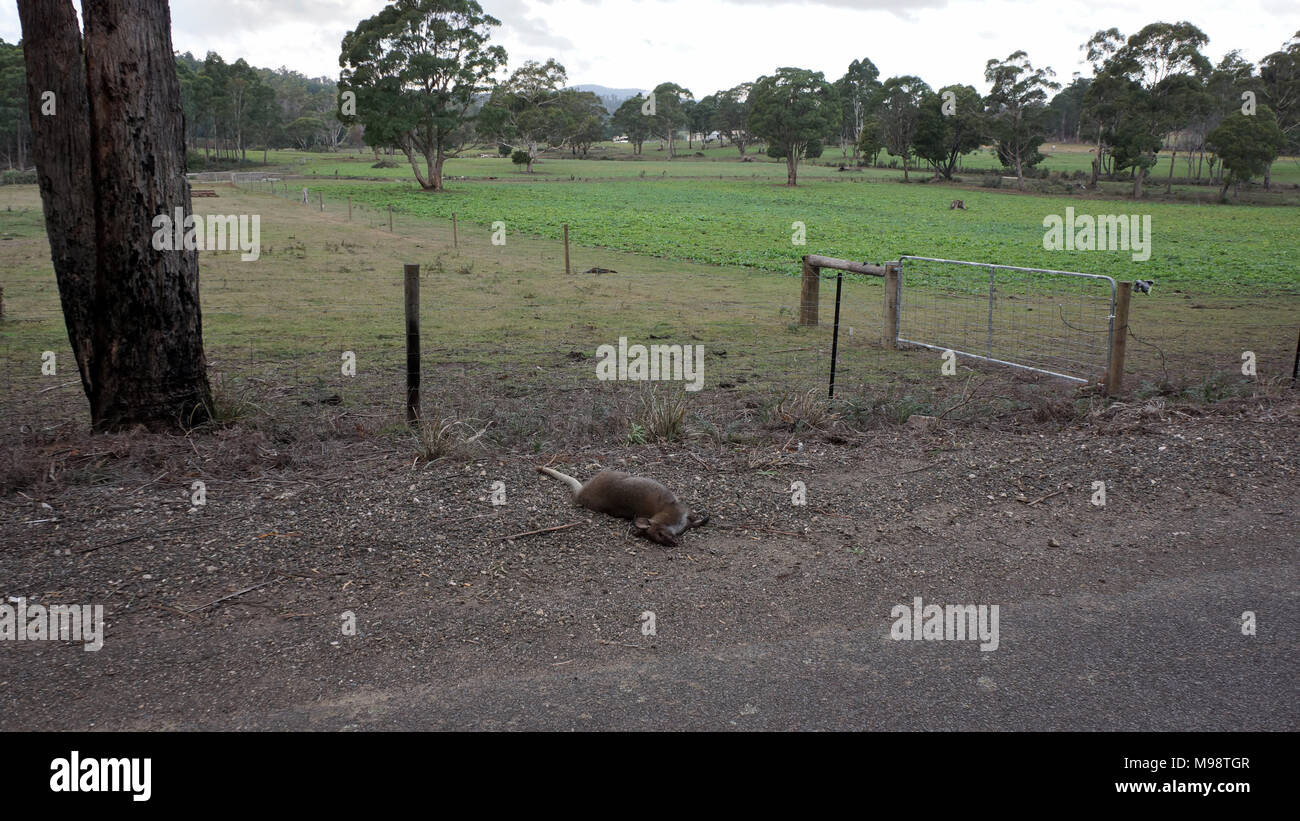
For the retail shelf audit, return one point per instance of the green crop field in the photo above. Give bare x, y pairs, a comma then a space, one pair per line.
1202, 248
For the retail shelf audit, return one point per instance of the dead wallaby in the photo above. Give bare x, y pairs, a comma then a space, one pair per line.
652, 507
957, 204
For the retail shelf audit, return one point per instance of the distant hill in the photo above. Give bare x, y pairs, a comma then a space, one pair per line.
611, 98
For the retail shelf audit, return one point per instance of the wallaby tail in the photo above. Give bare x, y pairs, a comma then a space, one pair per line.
573, 484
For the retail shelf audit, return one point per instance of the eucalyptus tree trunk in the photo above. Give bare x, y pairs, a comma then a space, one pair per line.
1096, 160
109, 161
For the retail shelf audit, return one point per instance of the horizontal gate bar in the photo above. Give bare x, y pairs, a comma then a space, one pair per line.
995, 361
1111, 280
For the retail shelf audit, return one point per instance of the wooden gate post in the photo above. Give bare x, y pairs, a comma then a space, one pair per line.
412, 277
809, 293
889, 333
566, 249
1118, 339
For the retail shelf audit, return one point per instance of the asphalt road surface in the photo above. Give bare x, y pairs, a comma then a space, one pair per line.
1167, 656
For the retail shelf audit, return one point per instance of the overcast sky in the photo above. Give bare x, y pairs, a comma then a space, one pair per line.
708, 45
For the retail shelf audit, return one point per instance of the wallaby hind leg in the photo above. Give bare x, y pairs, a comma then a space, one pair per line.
574, 484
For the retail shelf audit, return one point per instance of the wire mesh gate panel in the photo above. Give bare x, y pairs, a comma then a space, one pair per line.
1054, 322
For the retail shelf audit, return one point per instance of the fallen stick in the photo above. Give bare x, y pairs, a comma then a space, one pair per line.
966, 399
93, 548
543, 530
1043, 498
54, 387
698, 459
150, 482
174, 610
249, 589
828, 513
904, 472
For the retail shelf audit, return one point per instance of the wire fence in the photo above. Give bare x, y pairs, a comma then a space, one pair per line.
317, 319
747, 321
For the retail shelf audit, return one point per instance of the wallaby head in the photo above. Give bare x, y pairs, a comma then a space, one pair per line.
666, 530
653, 509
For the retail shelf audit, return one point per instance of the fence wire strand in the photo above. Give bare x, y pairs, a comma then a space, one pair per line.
499, 320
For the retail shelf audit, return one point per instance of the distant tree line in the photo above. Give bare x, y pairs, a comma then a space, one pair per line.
230, 107
423, 78
15, 124
1151, 91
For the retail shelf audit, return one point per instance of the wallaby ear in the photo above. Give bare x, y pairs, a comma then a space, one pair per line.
641, 522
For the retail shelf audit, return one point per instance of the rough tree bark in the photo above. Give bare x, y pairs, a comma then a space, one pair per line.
109, 161
1096, 160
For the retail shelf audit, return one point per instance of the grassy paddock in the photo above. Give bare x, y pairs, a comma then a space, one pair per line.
504, 325
1200, 248
501, 324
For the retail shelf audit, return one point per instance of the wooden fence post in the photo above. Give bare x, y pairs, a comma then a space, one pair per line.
809, 293
455, 238
566, 248
1119, 338
889, 333
349, 209
412, 287
321, 198
390, 217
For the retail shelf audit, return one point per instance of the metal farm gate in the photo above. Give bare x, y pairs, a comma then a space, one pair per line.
1059, 323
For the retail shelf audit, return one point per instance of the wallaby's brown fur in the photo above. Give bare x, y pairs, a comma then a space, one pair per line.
655, 511
957, 204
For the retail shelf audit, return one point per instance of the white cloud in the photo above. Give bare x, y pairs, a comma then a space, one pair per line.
712, 44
